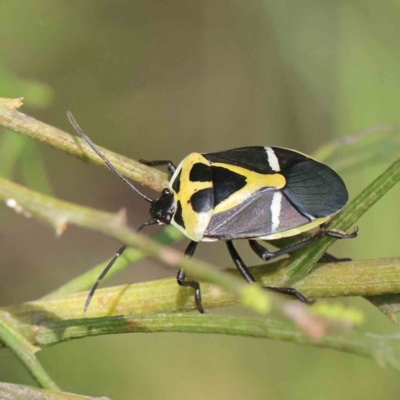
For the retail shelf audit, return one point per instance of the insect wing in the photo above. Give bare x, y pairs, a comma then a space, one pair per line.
265, 213
254, 158
311, 194
314, 189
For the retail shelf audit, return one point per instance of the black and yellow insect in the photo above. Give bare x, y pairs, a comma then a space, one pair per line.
253, 193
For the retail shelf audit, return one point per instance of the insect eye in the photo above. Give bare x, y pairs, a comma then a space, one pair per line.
166, 192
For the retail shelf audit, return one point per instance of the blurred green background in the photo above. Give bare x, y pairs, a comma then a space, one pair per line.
157, 79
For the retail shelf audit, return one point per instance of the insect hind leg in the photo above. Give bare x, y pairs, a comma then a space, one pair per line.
329, 258
267, 255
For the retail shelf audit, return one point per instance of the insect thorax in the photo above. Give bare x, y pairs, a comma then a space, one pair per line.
192, 186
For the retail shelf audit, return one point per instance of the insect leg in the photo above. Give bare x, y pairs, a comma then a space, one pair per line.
291, 292
181, 278
266, 255
170, 165
111, 263
102, 275
329, 258
240, 265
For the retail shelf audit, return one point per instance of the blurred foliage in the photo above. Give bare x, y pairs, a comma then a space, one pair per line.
156, 79
368, 147
16, 150
338, 312
37, 94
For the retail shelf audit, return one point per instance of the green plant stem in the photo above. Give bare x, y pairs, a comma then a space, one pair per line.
55, 319
136, 308
60, 214
25, 351
326, 150
354, 278
31, 127
85, 281
21, 392
330, 280
352, 342
303, 261
360, 343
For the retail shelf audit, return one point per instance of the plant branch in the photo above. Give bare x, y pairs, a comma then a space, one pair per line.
25, 351
21, 392
60, 213
326, 150
303, 261
85, 281
31, 127
57, 318
360, 343
54, 330
50, 321
330, 280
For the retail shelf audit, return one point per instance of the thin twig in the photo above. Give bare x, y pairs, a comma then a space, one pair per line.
12, 391
85, 281
62, 316
303, 261
31, 127
53, 330
60, 214
328, 149
330, 280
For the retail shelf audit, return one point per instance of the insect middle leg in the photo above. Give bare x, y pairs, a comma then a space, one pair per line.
244, 271
181, 278
155, 163
240, 265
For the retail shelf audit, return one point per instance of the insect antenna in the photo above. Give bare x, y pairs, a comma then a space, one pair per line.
86, 138
111, 263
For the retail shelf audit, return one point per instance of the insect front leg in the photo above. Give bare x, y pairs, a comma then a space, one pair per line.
170, 165
181, 278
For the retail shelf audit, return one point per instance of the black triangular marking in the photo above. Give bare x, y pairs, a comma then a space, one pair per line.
226, 182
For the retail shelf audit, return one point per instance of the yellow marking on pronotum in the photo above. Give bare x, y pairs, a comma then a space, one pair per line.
195, 223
